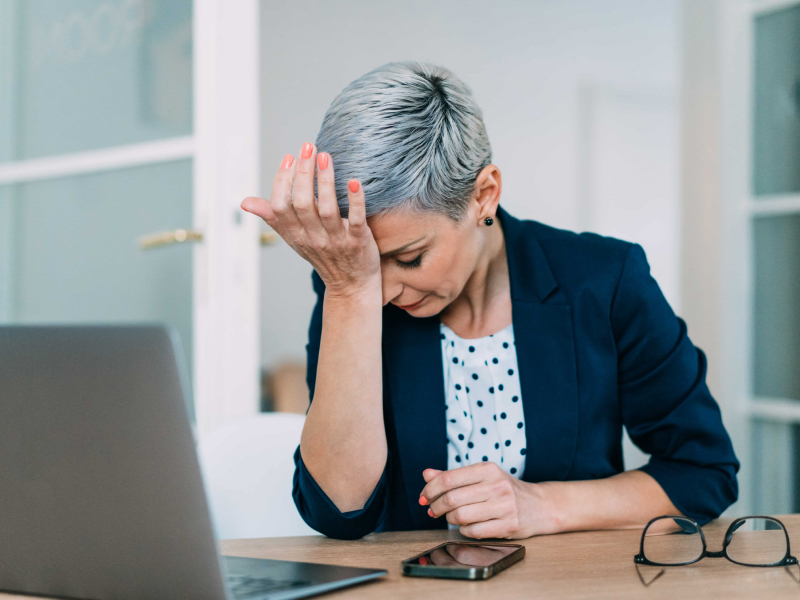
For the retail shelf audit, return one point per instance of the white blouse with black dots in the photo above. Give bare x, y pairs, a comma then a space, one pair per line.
483, 401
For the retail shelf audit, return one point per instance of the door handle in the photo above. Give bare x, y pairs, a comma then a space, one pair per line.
167, 238
268, 238
180, 236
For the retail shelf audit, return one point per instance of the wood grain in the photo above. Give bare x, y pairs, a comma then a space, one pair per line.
592, 564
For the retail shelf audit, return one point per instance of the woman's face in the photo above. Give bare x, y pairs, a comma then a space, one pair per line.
435, 259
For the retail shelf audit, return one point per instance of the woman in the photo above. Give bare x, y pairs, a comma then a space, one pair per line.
469, 369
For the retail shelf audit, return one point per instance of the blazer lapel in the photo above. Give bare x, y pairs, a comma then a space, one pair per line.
412, 348
545, 347
546, 360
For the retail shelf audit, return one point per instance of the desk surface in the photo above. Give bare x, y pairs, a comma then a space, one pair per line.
592, 564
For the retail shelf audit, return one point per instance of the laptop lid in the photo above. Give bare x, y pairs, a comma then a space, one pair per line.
100, 487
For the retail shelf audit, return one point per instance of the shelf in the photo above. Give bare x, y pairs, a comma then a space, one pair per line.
775, 409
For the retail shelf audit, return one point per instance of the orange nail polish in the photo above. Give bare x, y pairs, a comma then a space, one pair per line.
306, 151
430, 512
423, 500
353, 185
322, 161
287, 161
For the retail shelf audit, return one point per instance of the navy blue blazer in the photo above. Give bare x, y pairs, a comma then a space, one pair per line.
598, 347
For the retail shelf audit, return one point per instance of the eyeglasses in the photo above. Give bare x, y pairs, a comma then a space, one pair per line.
672, 541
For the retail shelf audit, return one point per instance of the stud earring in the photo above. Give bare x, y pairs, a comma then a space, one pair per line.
488, 220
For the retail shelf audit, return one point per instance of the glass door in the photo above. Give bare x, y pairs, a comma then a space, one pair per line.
82, 81
774, 215
100, 142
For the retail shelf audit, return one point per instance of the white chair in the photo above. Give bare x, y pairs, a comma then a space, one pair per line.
248, 467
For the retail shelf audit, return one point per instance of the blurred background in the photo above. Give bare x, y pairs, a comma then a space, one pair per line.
130, 130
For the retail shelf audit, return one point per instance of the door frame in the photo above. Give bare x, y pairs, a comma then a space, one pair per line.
226, 169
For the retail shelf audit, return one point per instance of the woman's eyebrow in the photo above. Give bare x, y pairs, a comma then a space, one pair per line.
401, 248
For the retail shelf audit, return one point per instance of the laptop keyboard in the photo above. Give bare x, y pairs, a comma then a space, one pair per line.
246, 586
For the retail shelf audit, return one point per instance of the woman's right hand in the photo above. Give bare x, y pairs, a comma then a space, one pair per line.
342, 251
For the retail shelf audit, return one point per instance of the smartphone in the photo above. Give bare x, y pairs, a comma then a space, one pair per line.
464, 560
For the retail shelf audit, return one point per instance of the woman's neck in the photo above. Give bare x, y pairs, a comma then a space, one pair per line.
484, 305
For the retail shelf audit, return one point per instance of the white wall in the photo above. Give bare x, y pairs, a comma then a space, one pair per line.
527, 63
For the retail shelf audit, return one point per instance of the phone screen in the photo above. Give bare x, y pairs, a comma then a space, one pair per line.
464, 555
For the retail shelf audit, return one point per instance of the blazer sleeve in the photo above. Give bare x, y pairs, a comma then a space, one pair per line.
316, 508
666, 405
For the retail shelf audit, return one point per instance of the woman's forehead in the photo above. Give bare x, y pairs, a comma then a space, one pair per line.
396, 230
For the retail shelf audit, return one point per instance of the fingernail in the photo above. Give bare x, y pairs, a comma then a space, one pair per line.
430, 512
287, 161
353, 185
322, 161
306, 151
423, 500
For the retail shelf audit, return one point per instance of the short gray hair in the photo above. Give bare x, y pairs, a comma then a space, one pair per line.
412, 134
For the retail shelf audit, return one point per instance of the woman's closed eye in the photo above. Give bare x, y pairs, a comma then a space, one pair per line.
410, 264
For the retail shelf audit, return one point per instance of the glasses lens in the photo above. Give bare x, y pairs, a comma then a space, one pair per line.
757, 542
672, 541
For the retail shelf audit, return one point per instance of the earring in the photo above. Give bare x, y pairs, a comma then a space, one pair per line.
488, 220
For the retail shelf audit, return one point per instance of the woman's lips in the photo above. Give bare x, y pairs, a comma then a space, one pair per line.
410, 306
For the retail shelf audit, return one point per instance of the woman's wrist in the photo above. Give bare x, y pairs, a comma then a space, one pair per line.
546, 514
366, 291
622, 501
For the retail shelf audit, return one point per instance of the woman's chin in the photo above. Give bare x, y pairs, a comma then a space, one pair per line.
428, 308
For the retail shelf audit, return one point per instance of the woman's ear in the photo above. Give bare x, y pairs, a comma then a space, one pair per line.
488, 185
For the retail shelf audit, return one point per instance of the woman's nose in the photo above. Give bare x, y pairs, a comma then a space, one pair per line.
391, 289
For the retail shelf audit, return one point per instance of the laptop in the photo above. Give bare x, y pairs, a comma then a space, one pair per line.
101, 494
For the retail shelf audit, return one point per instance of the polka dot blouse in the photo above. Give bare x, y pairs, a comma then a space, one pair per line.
483, 401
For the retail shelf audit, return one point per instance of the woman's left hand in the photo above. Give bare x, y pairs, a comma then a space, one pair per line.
486, 502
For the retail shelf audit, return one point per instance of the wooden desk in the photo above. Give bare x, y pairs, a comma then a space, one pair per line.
594, 564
